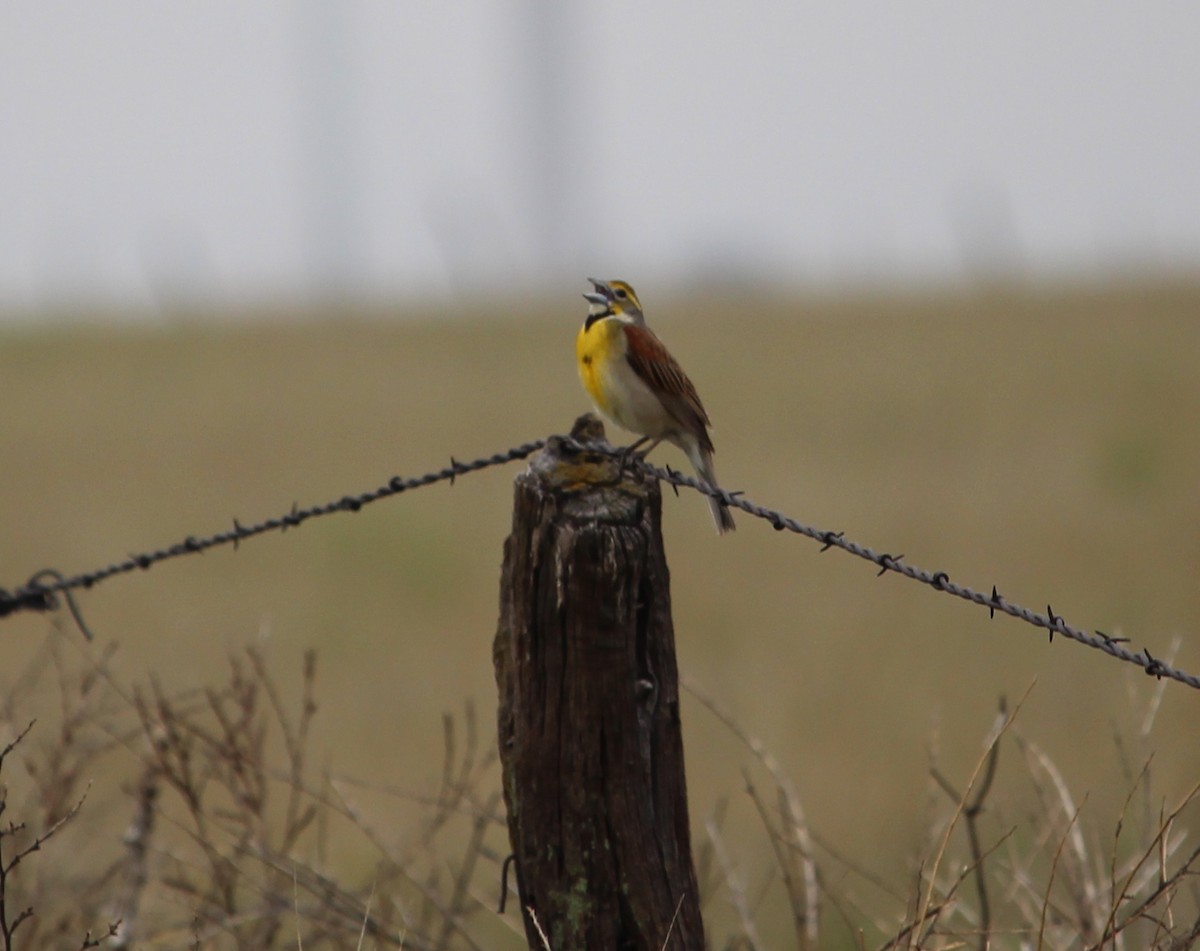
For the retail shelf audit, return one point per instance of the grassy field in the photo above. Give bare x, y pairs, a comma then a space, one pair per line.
1042, 441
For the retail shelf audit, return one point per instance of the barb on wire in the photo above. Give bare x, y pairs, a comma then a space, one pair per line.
38, 594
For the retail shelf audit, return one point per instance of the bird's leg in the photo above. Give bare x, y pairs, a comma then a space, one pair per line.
649, 449
631, 452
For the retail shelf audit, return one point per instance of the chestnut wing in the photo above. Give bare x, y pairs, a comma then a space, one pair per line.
658, 369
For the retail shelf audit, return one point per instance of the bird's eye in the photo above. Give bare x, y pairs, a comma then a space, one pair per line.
621, 294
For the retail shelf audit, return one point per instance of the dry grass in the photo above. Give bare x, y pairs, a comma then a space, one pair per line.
1037, 441
1049, 879
229, 828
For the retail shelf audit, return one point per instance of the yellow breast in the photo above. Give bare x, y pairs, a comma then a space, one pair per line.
595, 349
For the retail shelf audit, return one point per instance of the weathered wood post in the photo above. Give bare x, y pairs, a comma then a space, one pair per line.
589, 726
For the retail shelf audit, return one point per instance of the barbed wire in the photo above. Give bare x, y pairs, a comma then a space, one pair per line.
938, 580
38, 594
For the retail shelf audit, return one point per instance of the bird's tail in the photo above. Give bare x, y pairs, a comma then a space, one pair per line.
701, 460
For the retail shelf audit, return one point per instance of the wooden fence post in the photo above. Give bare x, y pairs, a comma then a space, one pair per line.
589, 726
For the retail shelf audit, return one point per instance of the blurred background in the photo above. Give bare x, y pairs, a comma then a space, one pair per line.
163, 156
935, 270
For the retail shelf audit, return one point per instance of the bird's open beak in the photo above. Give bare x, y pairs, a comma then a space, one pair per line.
602, 295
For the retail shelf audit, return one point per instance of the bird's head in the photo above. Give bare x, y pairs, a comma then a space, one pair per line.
613, 299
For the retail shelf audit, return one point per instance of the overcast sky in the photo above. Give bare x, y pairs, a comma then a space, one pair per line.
155, 153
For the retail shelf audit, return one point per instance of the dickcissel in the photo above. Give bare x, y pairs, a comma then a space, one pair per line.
637, 384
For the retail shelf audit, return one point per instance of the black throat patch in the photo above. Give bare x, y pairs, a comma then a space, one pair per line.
592, 318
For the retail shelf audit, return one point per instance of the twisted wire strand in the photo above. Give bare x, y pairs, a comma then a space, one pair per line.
39, 594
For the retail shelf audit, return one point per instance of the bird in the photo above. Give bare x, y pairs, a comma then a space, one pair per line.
634, 381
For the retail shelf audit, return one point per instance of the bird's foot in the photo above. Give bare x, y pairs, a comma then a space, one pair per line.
627, 457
